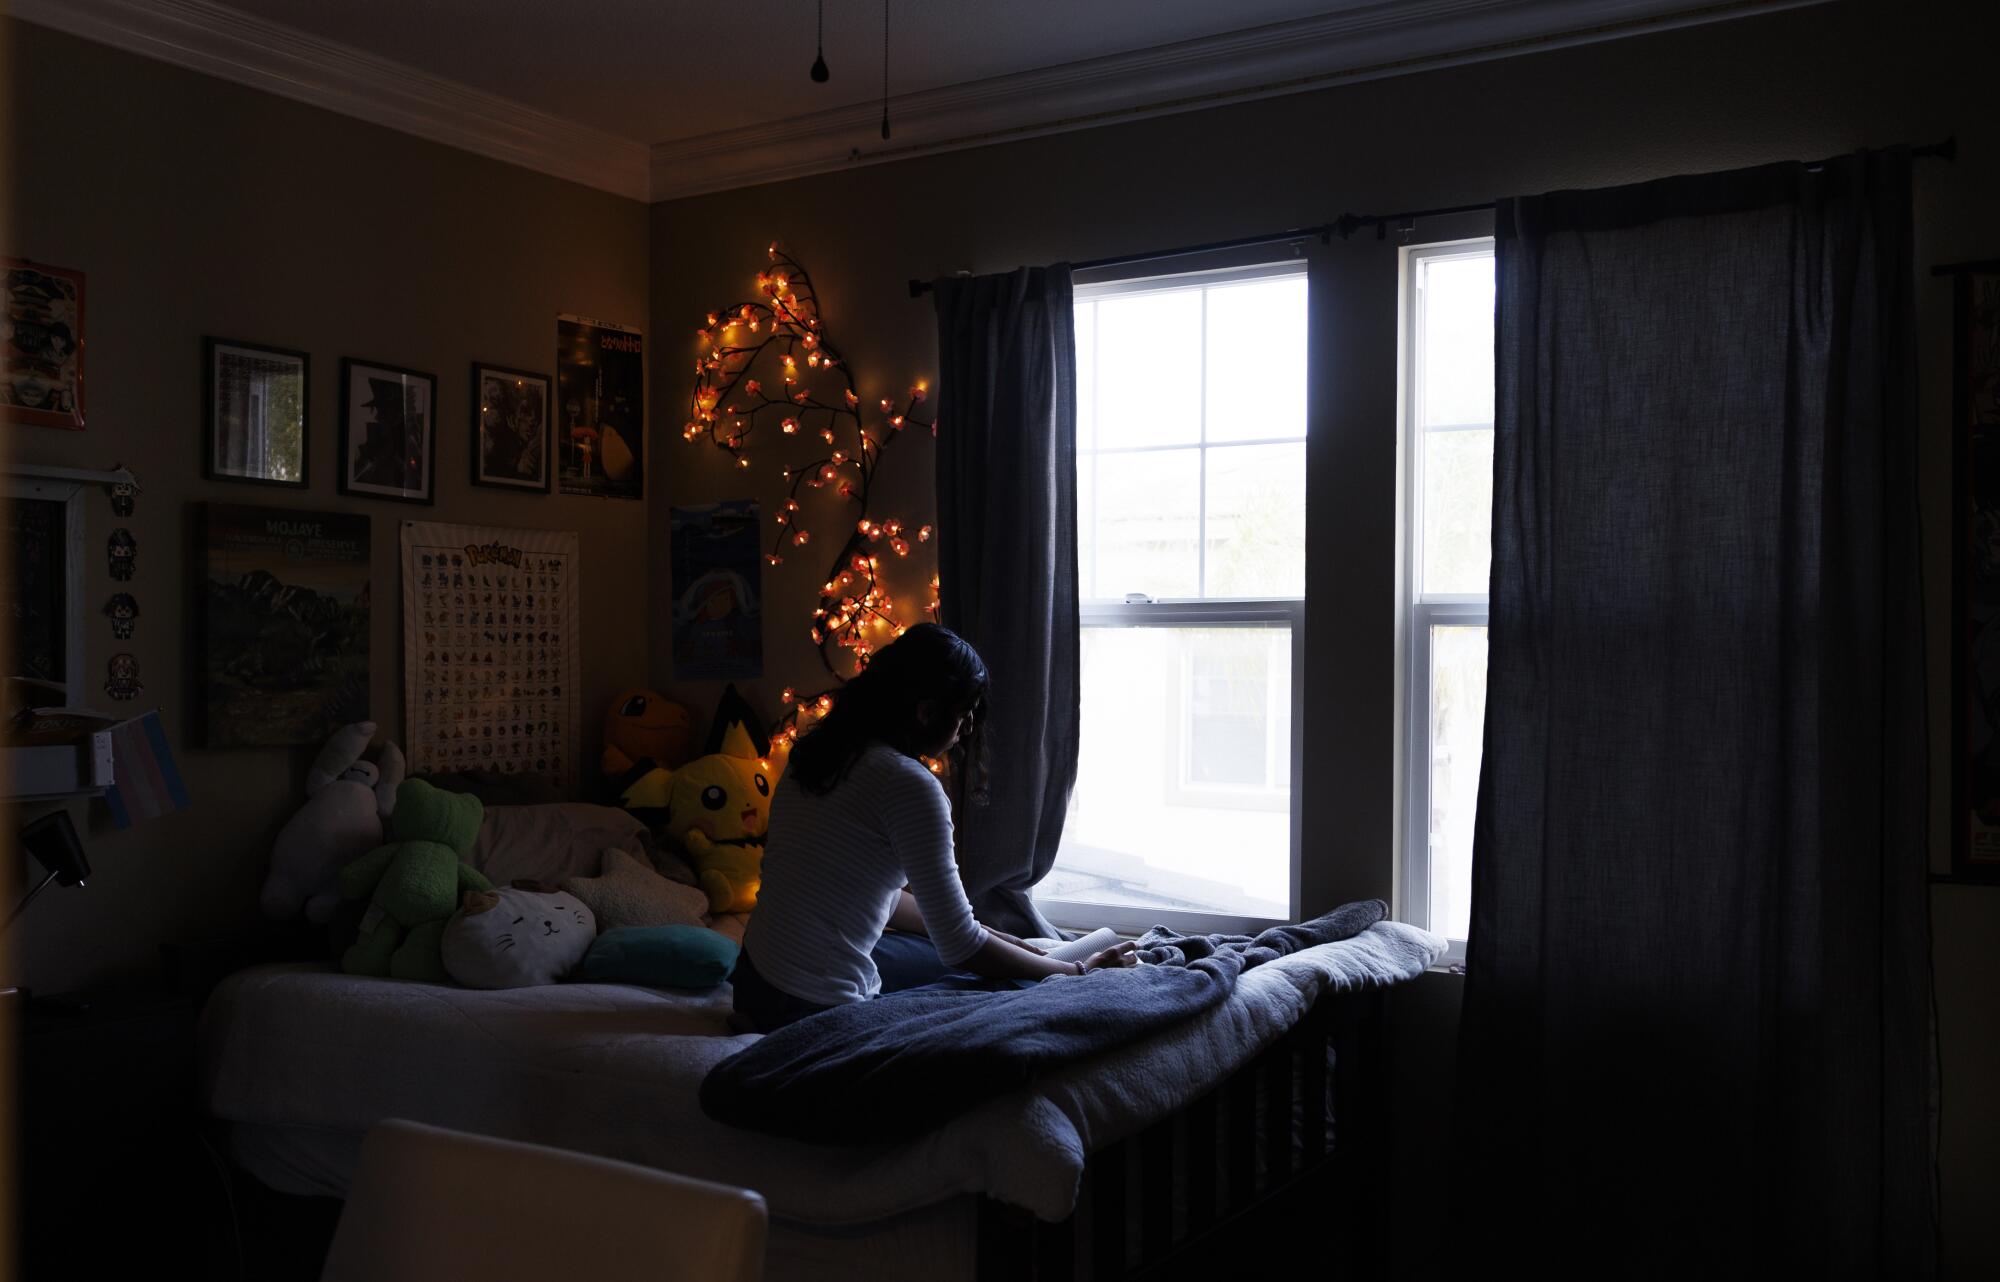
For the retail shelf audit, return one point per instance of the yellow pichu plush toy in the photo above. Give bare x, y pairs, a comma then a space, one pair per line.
715, 808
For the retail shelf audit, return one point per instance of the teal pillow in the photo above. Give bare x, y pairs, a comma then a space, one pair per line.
659, 957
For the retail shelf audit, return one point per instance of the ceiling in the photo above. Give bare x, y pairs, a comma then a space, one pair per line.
656, 70
656, 99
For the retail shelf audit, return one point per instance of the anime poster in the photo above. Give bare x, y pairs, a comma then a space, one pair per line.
285, 597
490, 655
600, 408
1976, 371
41, 346
718, 615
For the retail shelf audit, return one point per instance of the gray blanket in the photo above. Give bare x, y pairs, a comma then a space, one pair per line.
888, 1069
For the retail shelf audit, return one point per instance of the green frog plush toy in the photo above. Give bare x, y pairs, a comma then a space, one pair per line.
413, 884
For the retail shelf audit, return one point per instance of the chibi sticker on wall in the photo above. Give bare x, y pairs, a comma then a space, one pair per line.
123, 611
122, 495
123, 551
122, 677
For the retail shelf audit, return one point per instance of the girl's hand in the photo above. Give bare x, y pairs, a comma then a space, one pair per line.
1018, 943
1120, 955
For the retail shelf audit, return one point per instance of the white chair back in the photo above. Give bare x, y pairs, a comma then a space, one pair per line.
429, 1203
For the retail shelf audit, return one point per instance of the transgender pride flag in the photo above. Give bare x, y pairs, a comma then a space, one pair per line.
145, 781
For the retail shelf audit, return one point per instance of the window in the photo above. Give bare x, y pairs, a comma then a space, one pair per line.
1447, 402
1191, 502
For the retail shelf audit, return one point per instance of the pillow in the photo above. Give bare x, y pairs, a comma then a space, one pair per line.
499, 788
669, 864
552, 843
629, 893
659, 957
516, 937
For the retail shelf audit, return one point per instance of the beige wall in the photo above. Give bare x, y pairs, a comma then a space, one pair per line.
1789, 85
197, 207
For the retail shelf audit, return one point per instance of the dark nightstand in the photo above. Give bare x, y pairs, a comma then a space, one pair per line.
115, 1179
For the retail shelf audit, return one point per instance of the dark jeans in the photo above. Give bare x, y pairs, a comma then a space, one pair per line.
903, 960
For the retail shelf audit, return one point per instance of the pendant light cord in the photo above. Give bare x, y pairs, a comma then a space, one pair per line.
885, 70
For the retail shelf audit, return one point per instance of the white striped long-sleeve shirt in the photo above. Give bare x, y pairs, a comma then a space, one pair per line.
833, 868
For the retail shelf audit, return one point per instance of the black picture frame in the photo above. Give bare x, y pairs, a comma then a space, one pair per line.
499, 421
367, 469
232, 448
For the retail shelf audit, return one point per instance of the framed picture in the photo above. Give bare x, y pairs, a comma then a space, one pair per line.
388, 431
511, 441
41, 362
1976, 600
254, 402
284, 613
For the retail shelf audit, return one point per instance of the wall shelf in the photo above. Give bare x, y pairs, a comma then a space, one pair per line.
58, 771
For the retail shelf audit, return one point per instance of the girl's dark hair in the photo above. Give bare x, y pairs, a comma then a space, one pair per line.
880, 706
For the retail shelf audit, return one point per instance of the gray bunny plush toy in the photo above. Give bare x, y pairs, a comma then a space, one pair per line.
348, 804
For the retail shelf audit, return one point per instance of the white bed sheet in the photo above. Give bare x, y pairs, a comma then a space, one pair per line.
613, 1069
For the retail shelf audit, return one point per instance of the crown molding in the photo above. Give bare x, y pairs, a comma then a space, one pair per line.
1360, 42
235, 46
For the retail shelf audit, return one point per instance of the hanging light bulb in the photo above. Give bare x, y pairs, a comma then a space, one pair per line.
819, 71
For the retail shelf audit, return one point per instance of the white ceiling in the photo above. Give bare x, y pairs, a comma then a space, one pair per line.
656, 99
657, 70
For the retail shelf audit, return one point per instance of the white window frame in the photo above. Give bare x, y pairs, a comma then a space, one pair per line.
1423, 611
1204, 612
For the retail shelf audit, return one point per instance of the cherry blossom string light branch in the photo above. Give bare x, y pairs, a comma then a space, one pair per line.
767, 368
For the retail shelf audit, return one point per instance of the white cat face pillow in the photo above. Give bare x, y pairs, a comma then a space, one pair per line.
518, 936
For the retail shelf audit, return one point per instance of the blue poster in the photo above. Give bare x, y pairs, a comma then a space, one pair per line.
718, 607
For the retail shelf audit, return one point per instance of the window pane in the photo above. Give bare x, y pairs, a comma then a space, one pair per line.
1456, 385
1148, 352
1086, 376
1458, 510
1148, 511
1161, 707
1257, 521
1230, 720
1257, 359
1458, 719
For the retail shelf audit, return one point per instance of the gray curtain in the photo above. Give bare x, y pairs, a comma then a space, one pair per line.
1006, 487
1695, 1038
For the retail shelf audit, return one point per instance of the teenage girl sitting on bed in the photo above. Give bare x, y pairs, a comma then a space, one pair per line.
855, 820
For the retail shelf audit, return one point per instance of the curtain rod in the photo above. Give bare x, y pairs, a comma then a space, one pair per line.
1347, 224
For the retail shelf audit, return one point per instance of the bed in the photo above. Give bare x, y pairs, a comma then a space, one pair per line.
1105, 1169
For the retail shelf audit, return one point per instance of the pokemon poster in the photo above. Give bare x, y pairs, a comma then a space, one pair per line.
718, 592
490, 659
